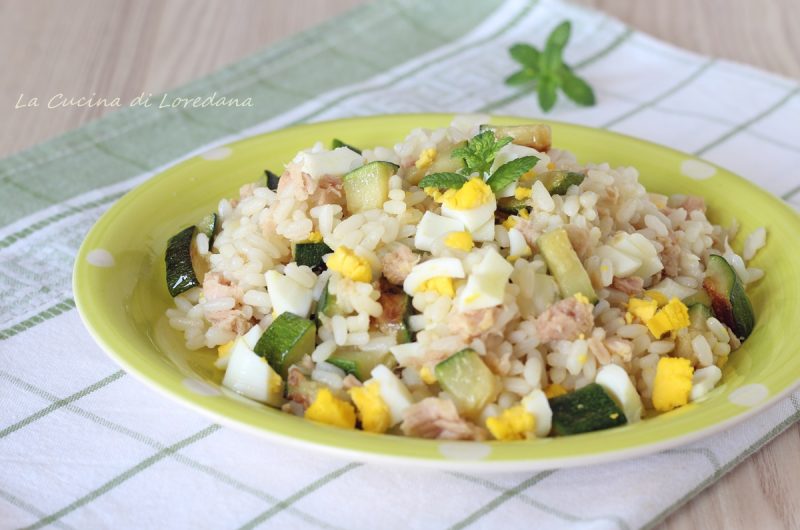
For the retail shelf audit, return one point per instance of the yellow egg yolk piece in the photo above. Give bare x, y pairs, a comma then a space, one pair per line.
523, 213
658, 296
471, 195
426, 158
671, 317
439, 284
427, 375
315, 237
459, 241
515, 423
350, 265
672, 384
224, 349
372, 409
522, 193
510, 223
644, 309
331, 410
554, 390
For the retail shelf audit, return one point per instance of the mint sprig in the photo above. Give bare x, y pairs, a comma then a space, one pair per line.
510, 172
479, 152
546, 72
442, 180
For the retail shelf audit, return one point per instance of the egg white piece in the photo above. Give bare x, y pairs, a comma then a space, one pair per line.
494, 263
393, 392
405, 353
485, 232
537, 404
288, 295
486, 286
703, 380
624, 265
337, 162
450, 267
672, 289
638, 247
473, 218
431, 227
519, 247
614, 379
251, 337
250, 375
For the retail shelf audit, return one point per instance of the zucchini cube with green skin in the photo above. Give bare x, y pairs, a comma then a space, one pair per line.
728, 298
367, 187
468, 380
584, 410
360, 363
286, 341
184, 266
698, 314
336, 143
309, 253
565, 266
558, 182
533, 135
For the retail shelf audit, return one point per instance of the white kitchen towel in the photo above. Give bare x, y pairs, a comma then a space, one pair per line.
82, 445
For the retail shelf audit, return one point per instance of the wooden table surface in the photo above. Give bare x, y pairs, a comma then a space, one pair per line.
121, 48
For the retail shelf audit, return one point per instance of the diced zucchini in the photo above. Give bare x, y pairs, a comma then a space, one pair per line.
468, 380
208, 225
272, 179
442, 163
397, 309
336, 143
587, 409
534, 135
558, 182
564, 264
698, 314
286, 341
310, 253
700, 297
511, 205
729, 301
327, 303
185, 267
367, 187
360, 363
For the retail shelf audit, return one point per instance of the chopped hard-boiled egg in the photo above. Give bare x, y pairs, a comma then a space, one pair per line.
671, 317
458, 240
614, 379
637, 247
522, 193
554, 390
658, 296
224, 349
336, 162
433, 268
426, 158
372, 410
331, 410
642, 308
433, 226
393, 392
438, 284
251, 375
486, 286
518, 245
537, 404
672, 384
315, 237
672, 289
515, 423
484, 232
703, 380
288, 295
624, 265
407, 353
473, 204
350, 265
427, 375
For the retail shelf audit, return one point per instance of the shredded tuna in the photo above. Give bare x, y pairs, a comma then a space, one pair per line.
329, 191
565, 320
620, 347
230, 320
581, 242
632, 285
598, 348
471, 324
300, 389
397, 264
296, 182
525, 226
671, 255
216, 286
436, 418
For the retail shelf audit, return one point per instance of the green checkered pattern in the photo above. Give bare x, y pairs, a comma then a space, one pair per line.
82, 445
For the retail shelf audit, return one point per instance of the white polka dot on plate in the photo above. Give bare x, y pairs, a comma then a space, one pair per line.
697, 169
200, 387
218, 153
749, 395
100, 258
465, 450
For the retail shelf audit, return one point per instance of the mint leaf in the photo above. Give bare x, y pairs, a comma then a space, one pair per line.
547, 93
526, 55
511, 172
558, 38
520, 78
576, 88
479, 153
442, 180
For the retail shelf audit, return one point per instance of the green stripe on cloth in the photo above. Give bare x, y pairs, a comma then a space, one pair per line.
314, 486
156, 445
368, 40
504, 497
19, 503
119, 479
42, 316
56, 405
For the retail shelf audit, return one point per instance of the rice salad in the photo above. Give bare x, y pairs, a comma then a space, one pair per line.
470, 283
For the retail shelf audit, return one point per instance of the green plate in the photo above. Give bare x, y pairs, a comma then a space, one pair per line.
120, 293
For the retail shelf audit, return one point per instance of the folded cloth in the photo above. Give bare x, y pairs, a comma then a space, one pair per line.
82, 445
